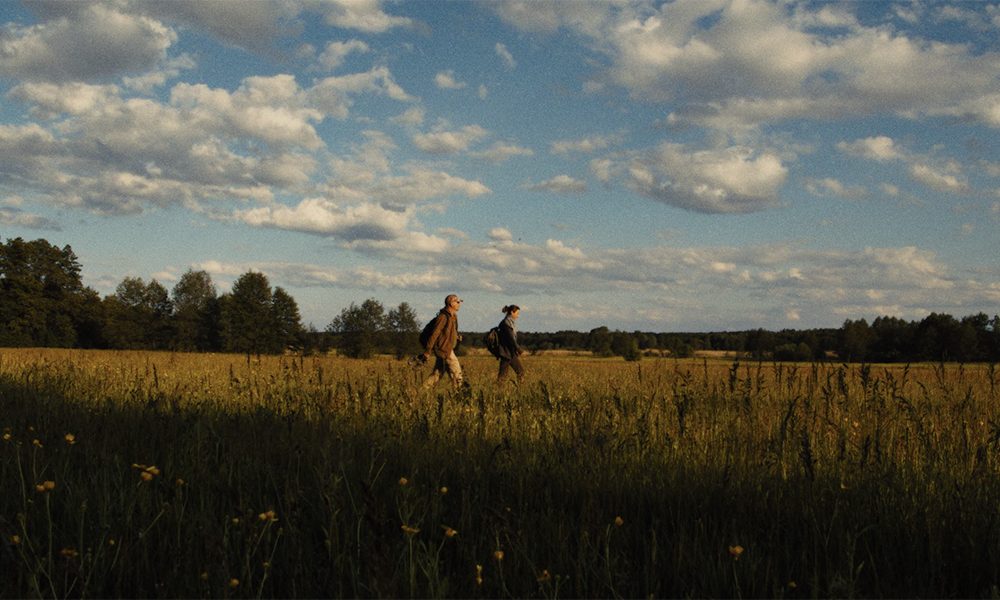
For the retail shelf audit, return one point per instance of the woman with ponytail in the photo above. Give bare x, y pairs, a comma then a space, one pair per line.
510, 351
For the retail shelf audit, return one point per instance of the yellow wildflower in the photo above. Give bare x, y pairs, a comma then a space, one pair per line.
70, 438
444, 490
618, 521
403, 481
146, 476
498, 555
48, 486
735, 551
234, 582
448, 531
544, 576
15, 540
36, 443
410, 530
479, 574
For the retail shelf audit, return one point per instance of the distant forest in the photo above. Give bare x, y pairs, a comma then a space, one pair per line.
43, 303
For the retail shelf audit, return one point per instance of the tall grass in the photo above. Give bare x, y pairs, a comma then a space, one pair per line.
169, 475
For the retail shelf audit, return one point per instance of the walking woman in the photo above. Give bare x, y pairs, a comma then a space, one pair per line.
510, 351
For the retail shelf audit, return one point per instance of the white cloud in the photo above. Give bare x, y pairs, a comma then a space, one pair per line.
587, 145
363, 15
500, 151
727, 180
446, 80
560, 184
939, 182
91, 41
880, 148
365, 221
505, 56
449, 142
337, 51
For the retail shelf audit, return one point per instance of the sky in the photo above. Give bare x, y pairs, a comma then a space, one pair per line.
687, 166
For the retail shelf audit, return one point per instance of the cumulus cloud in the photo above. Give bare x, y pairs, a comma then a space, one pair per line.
367, 221
879, 148
449, 142
937, 181
560, 184
587, 145
335, 53
727, 180
500, 152
446, 80
93, 41
505, 56
736, 65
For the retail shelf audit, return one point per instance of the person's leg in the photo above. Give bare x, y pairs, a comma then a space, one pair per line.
439, 369
454, 370
515, 363
504, 369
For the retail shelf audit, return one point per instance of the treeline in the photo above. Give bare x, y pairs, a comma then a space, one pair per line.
43, 303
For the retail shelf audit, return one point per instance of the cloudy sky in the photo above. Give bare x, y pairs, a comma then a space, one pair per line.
696, 165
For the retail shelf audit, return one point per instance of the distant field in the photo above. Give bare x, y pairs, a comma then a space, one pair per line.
183, 475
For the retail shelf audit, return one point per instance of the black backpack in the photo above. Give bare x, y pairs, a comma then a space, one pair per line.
425, 335
492, 342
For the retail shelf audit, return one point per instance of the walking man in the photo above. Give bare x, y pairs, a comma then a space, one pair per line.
441, 344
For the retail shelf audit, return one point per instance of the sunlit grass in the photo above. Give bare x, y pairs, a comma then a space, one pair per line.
146, 474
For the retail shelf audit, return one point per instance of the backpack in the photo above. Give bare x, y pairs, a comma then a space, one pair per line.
492, 342
425, 335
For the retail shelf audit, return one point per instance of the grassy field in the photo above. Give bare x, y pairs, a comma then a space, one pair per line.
176, 475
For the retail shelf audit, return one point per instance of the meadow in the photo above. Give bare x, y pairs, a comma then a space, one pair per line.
214, 476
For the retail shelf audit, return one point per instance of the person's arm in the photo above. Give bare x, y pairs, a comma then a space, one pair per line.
439, 322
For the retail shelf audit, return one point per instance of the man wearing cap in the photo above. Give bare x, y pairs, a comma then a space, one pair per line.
442, 342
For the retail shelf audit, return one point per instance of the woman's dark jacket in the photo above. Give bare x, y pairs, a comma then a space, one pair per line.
509, 347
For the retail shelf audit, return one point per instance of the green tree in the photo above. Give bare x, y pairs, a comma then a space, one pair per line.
247, 318
599, 341
139, 315
288, 321
403, 330
360, 329
856, 341
42, 298
195, 301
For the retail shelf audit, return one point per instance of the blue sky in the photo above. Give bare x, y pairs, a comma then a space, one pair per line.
697, 165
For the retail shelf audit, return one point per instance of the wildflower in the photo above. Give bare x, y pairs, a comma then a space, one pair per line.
444, 490
267, 516
6, 436
448, 531
204, 576
544, 576
180, 482
69, 553
70, 438
618, 521
48, 486
736, 551
479, 574
410, 530
236, 521
791, 585
403, 481
234, 582
146, 476
111, 542
498, 555
15, 540
36, 443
